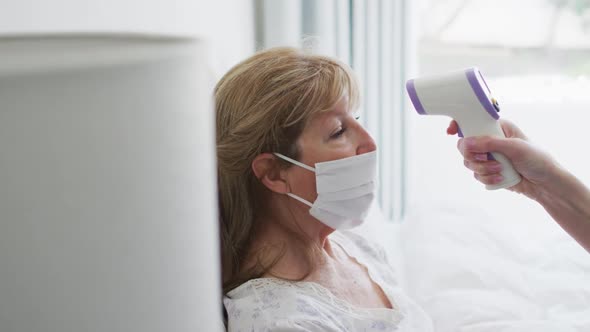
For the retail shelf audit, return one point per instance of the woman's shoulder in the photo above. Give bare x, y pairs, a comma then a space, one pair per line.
268, 304
264, 292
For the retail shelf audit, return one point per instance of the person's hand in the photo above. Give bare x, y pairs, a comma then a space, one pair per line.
535, 166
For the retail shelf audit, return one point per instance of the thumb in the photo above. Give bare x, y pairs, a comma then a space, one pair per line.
511, 130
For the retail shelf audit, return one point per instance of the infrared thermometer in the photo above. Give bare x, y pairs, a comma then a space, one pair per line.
464, 96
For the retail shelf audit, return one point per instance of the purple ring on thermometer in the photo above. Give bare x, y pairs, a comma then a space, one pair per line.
481, 95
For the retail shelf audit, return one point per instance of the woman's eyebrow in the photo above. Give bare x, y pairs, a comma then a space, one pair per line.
330, 119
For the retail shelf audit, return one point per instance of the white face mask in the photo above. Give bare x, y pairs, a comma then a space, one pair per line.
345, 188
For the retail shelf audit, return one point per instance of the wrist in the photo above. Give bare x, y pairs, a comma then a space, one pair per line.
567, 200
556, 180
560, 188
543, 185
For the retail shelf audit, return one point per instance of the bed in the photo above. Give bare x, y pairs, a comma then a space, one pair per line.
475, 271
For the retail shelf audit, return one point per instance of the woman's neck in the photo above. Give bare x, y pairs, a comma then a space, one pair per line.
299, 245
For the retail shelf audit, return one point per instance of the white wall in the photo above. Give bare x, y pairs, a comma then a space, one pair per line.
227, 24
98, 221
107, 202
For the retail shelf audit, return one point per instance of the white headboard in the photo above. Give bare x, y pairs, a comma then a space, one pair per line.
107, 185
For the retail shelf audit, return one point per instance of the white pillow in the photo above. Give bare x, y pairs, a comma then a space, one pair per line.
474, 272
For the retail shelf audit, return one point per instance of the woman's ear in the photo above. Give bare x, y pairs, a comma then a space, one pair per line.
266, 168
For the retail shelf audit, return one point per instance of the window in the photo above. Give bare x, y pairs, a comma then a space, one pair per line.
535, 55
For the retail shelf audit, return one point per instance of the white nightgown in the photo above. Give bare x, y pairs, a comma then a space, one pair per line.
269, 304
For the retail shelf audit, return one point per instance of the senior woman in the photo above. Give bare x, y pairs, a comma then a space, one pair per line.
296, 170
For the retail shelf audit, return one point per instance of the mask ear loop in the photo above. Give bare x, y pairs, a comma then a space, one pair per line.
300, 164
299, 199
293, 161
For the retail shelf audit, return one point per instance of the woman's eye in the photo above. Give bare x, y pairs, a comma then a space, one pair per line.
338, 133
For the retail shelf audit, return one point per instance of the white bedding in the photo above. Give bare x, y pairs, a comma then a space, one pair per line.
475, 272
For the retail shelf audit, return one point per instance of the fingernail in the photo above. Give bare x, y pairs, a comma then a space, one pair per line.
495, 168
481, 157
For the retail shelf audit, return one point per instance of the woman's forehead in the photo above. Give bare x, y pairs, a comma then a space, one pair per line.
340, 109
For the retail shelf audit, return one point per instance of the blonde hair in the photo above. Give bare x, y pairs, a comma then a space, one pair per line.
262, 105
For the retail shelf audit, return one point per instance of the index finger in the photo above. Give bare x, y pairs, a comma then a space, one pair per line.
453, 128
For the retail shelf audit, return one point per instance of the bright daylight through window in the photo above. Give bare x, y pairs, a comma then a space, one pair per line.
535, 55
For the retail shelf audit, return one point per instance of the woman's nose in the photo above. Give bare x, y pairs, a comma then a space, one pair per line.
366, 142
